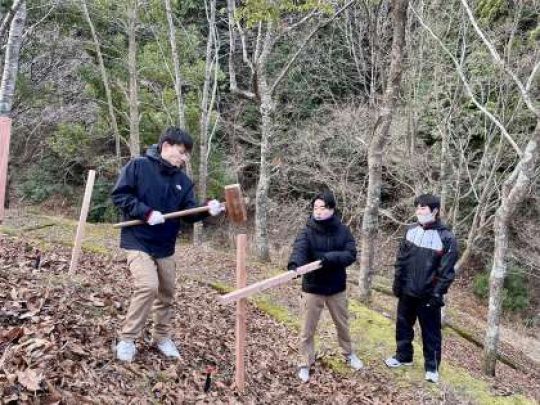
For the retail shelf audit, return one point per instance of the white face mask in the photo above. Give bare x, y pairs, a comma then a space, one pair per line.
426, 219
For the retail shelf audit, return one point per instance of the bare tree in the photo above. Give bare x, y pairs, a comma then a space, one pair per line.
262, 91
6, 21
207, 102
377, 144
105, 80
11, 62
515, 188
178, 81
514, 191
134, 138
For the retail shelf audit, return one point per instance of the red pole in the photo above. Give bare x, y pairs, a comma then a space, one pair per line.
5, 132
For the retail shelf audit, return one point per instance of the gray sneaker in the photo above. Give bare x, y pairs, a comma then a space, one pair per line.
168, 348
432, 376
392, 362
125, 350
354, 362
303, 374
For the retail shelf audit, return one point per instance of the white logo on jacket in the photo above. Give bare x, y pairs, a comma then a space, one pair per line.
425, 238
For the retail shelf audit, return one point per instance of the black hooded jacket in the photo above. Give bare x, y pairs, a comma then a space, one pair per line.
425, 261
330, 241
151, 183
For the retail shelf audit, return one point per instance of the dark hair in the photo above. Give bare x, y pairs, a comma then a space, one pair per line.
327, 196
428, 200
176, 136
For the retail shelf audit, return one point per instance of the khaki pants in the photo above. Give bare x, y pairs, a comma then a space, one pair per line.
312, 305
153, 290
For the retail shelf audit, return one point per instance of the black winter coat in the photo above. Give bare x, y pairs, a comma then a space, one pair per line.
328, 240
151, 183
425, 261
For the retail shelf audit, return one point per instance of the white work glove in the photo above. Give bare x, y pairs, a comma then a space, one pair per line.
155, 218
215, 207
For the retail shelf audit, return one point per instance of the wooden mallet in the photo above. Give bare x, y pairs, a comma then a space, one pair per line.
234, 204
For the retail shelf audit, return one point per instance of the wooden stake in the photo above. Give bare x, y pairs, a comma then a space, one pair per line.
241, 310
82, 221
262, 285
5, 133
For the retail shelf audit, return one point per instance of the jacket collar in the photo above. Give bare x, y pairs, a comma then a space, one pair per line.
325, 225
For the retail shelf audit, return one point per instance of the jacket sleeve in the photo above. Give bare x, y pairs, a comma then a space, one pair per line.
124, 193
345, 257
301, 251
399, 265
191, 202
446, 272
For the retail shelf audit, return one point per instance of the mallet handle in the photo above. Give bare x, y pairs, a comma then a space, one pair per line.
268, 283
176, 214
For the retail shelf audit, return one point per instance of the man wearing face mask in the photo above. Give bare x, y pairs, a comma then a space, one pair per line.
327, 239
147, 188
424, 270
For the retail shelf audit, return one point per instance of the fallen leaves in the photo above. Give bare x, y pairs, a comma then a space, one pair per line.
30, 379
61, 353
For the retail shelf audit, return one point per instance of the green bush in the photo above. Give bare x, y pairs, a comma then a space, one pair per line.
43, 180
102, 209
516, 296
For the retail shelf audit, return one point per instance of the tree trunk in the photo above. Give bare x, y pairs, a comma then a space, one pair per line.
134, 142
381, 134
206, 106
176, 63
105, 80
11, 62
267, 109
514, 191
9, 17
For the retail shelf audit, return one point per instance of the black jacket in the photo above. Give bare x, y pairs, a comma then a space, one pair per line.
331, 241
425, 261
151, 183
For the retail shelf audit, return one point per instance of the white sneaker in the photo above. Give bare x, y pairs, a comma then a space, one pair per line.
392, 362
303, 374
354, 362
168, 348
432, 376
125, 350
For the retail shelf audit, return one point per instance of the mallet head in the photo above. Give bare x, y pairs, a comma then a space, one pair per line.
236, 206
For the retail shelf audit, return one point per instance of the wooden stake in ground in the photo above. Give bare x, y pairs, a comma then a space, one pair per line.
241, 311
82, 222
5, 132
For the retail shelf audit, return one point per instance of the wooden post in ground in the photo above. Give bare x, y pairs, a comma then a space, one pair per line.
5, 133
241, 310
82, 221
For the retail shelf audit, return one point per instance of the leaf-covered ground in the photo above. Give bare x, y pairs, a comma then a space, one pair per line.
57, 334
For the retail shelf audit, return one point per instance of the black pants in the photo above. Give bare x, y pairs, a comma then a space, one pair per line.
429, 317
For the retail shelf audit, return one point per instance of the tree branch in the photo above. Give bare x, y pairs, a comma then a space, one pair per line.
500, 62
305, 42
467, 86
232, 50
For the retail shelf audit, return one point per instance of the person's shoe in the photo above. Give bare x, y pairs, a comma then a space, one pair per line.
125, 351
168, 348
392, 362
303, 374
354, 362
432, 376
